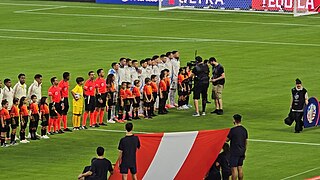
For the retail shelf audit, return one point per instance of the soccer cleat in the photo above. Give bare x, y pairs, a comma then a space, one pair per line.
96, 125
102, 124
84, 127
111, 121
67, 130
24, 141
196, 115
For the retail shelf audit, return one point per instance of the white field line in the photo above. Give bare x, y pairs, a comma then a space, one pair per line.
253, 140
41, 9
95, 40
172, 19
310, 170
163, 39
244, 13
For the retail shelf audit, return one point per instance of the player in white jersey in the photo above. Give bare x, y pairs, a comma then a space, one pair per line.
134, 71
20, 89
36, 87
174, 78
115, 71
8, 92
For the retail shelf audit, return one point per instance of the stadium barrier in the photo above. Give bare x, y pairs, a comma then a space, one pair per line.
311, 113
257, 5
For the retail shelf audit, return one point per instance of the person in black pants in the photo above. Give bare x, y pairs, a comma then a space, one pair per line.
299, 99
128, 146
237, 136
99, 168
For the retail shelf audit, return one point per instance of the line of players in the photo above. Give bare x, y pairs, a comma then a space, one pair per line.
152, 83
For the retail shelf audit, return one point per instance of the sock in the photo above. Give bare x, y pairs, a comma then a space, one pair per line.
92, 118
13, 136
149, 112
109, 113
8, 133
78, 119
59, 122
64, 119
2, 140
95, 117
101, 116
84, 119
74, 121
137, 113
22, 135
55, 125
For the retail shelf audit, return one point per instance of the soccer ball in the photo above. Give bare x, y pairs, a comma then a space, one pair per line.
77, 96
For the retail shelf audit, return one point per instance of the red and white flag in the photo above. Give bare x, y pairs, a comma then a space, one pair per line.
176, 156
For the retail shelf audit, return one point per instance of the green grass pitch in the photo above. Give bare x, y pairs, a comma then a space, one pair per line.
262, 55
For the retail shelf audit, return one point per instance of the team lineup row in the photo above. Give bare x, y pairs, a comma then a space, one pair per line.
129, 90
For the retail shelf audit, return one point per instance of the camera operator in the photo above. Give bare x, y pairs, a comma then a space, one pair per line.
201, 83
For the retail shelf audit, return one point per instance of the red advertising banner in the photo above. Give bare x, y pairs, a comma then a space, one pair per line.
285, 5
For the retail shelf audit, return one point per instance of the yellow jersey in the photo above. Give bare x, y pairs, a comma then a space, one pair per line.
78, 90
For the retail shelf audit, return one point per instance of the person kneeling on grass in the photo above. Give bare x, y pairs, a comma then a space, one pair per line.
99, 167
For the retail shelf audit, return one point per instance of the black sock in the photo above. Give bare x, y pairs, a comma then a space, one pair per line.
109, 113
13, 136
2, 140
8, 133
22, 135
149, 112
137, 113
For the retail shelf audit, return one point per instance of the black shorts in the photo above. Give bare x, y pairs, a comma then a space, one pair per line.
55, 109
6, 125
145, 103
136, 102
45, 120
34, 122
124, 169
200, 89
236, 161
14, 122
89, 103
110, 96
104, 100
66, 106
25, 121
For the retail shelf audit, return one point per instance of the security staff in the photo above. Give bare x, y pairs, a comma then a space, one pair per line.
299, 99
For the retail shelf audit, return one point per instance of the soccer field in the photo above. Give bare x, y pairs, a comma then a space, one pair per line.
262, 54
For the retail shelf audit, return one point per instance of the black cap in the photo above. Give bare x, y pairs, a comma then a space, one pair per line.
298, 81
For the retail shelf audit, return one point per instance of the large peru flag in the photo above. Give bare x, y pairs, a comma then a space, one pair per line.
179, 156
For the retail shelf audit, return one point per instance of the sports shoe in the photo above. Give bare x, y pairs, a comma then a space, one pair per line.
46, 137
67, 130
196, 115
220, 112
111, 121
203, 114
215, 111
180, 108
96, 125
14, 143
24, 141
102, 124
60, 131
84, 127
5, 145
189, 106
185, 107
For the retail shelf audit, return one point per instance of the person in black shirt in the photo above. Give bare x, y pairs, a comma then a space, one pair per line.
222, 162
218, 81
299, 99
237, 136
201, 83
99, 168
87, 168
128, 146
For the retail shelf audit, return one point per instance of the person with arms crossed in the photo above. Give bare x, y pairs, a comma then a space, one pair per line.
99, 168
299, 99
238, 137
128, 146
218, 81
